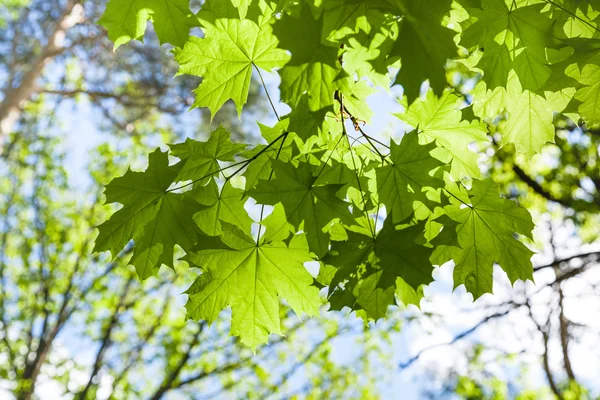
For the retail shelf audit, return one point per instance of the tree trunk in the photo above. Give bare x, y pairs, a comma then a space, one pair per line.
14, 97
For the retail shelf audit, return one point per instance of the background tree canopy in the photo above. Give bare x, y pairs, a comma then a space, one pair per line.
485, 169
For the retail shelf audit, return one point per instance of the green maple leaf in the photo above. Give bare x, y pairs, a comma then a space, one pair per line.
155, 219
226, 55
307, 206
314, 64
403, 183
536, 59
485, 234
580, 70
368, 34
306, 123
529, 115
342, 173
529, 125
369, 269
201, 159
276, 226
126, 20
355, 97
260, 167
242, 6
226, 205
512, 38
589, 94
488, 104
440, 120
424, 45
250, 278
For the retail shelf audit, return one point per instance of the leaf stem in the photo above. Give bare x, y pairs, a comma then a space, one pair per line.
573, 15
206, 176
243, 164
329, 157
262, 208
266, 91
340, 99
453, 195
345, 111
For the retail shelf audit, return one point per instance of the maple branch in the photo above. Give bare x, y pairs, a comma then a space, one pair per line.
243, 164
340, 99
355, 121
370, 140
329, 157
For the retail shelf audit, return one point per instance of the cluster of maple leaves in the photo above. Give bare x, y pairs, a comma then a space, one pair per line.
376, 216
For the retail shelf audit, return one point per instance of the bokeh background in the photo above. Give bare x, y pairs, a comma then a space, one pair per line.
74, 114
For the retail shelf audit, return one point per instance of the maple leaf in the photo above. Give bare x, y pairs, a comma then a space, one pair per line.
484, 235
226, 205
226, 55
424, 45
306, 123
529, 125
314, 64
368, 34
126, 20
589, 94
534, 60
512, 38
440, 120
250, 278
307, 206
260, 168
201, 159
403, 183
370, 269
154, 218
528, 115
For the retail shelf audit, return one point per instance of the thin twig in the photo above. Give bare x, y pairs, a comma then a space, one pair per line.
460, 336
573, 15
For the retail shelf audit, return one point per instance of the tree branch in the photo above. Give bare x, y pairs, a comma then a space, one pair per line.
461, 335
106, 339
537, 188
564, 335
567, 259
172, 377
544, 330
123, 99
10, 108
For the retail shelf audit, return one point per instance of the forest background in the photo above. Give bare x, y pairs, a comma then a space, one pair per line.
75, 114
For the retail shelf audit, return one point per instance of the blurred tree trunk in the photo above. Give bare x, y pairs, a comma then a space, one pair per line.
15, 96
